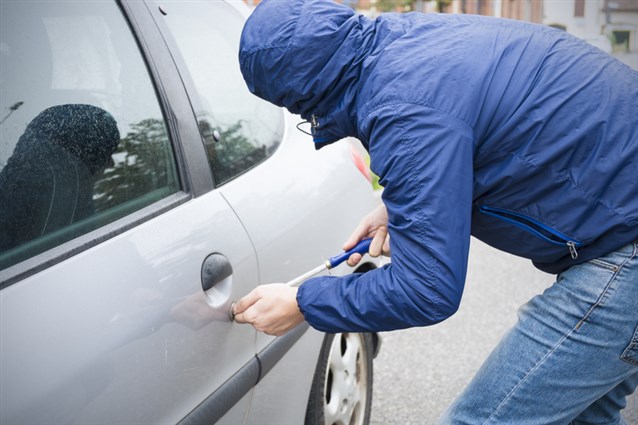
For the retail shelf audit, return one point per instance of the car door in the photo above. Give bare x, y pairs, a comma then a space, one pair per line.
104, 318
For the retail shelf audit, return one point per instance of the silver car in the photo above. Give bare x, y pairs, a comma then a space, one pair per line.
142, 191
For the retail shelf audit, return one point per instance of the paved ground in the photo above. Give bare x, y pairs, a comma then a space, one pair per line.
420, 371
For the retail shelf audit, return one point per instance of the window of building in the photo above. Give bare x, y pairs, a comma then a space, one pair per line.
238, 129
579, 8
83, 139
620, 41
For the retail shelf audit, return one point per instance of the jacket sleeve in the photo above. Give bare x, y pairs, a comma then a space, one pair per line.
424, 161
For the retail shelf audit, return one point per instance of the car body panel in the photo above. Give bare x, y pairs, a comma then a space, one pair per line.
269, 406
129, 318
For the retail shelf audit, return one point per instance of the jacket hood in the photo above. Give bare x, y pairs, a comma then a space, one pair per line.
305, 55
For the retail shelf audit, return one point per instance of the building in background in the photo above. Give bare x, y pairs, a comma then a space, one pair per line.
611, 25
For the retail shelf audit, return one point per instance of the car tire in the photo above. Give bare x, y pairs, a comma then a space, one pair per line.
341, 392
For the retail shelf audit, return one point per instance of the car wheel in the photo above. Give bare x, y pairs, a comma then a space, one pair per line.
341, 392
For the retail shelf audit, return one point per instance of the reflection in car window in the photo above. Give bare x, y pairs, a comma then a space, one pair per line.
83, 140
238, 129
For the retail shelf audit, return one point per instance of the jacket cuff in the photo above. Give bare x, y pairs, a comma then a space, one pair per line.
298, 297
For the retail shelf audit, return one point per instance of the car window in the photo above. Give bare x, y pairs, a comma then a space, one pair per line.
83, 139
238, 129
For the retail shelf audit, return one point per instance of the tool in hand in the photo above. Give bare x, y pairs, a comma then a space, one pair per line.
360, 248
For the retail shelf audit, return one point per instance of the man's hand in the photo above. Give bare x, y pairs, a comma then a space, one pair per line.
271, 309
374, 225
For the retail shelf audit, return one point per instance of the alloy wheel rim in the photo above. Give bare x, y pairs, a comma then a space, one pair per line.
346, 386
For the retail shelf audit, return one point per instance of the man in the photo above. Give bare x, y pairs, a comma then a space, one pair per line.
517, 134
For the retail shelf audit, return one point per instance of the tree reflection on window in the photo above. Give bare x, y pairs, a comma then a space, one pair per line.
142, 164
230, 152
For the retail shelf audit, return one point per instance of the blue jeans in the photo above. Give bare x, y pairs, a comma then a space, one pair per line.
572, 358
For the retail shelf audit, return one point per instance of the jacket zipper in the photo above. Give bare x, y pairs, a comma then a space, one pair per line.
534, 227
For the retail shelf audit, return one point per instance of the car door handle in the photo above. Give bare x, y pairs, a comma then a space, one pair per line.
216, 269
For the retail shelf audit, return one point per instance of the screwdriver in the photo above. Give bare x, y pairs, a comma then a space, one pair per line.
360, 248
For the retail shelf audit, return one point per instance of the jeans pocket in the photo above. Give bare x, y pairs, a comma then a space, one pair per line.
604, 264
630, 355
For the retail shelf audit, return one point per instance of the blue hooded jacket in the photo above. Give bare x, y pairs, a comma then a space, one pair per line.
516, 133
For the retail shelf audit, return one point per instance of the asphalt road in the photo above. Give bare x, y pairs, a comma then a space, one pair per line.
420, 371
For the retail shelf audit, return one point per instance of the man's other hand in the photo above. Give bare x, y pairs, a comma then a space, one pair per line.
375, 226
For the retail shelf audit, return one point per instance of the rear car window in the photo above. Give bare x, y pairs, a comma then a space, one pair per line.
83, 139
238, 129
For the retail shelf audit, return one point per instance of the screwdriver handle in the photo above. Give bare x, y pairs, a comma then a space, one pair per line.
361, 248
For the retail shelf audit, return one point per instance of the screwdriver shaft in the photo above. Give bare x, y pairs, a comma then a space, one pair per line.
302, 278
